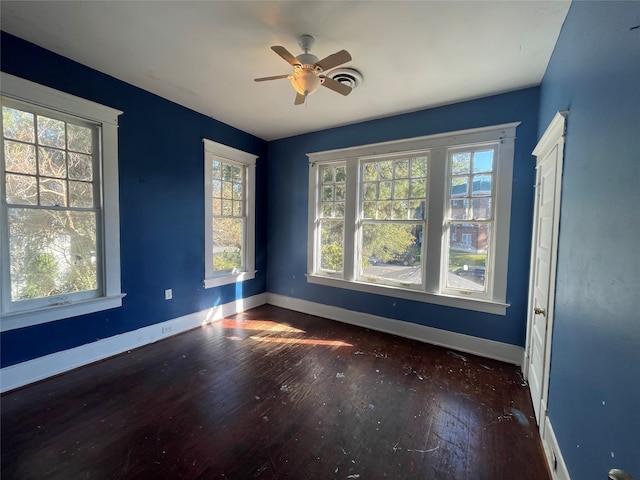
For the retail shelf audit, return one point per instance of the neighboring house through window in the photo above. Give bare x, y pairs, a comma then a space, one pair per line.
59, 221
425, 219
229, 214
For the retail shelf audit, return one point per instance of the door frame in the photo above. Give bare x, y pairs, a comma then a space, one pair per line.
554, 136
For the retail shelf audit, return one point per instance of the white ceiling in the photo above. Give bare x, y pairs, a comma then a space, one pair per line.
204, 55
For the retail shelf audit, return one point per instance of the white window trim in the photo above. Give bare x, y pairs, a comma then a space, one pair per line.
229, 154
36, 94
438, 146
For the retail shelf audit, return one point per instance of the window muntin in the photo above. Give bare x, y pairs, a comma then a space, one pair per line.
331, 218
392, 219
229, 220
52, 191
469, 219
59, 209
229, 214
453, 198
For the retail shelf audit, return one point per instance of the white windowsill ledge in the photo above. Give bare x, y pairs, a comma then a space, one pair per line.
14, 320
475, 304
227, 279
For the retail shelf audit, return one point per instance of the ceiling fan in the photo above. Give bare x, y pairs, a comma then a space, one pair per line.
308, 71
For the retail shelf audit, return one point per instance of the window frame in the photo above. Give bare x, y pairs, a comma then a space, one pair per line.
224, 153
15, 89
438, 146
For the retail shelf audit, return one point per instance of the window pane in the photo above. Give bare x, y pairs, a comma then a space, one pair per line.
340, 192
483, 161
228, 236
402, 168
370, 191
391, 252
460, 163
19, 157
18, 125
227, 188
51, 252
216, 169
418, 167
418, 188
327, 209
331, 245
52, 163
227, 208
21, 189
327, 174
401, 189
51, 132
341, 174
481, 185
237, 191
417, 209
459, 186
237, 174
227, 173
80, 167
369, 210
81, 194
385, 211
53, 192
385, 170
459, 210
481, 208
401, 210
467, 256
79, 138
216, 206
385, 191
370, 172
327, 193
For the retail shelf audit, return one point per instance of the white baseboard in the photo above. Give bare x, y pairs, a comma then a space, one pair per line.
40, 368
458, 341
552, 451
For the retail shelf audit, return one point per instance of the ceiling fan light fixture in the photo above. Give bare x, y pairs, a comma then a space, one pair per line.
306, 82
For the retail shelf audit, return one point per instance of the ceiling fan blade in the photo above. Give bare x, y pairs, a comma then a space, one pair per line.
263, 79
334, 60
284, 53
299, 99
341, 88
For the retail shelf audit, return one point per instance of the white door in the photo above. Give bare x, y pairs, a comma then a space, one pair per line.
543, 263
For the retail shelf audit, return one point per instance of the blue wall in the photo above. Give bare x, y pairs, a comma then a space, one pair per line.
288, 180
161, 205
594, 394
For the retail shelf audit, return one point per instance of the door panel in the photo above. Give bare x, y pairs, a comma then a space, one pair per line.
549, 153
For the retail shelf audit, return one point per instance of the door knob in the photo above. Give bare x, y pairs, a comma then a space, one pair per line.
615, 474
539, 311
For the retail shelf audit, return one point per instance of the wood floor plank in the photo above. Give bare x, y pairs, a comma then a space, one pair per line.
273, 394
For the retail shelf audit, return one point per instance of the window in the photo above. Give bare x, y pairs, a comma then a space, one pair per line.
229, 214
425, 219
59, 224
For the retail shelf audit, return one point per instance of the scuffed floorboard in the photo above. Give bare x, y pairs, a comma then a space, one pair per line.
274, 394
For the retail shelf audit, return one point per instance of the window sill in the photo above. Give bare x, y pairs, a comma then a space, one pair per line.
28, 318
475, 304
227, 279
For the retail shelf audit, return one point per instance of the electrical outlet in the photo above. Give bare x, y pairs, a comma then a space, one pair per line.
166, 329
168, 294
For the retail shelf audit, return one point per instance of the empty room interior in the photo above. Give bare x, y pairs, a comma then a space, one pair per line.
320, 239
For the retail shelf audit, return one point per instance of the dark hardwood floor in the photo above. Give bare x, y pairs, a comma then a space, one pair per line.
275, 394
